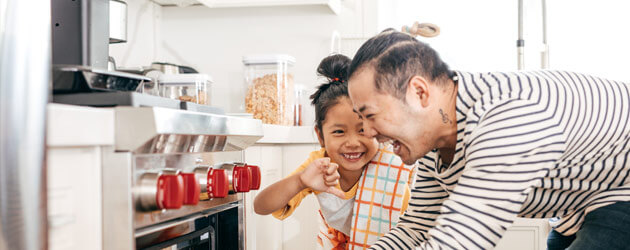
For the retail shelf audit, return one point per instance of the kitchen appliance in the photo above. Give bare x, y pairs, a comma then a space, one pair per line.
112, 99
111, 64
175, 176
73, 79
117, 21
166, 68
24, 88
80, 33
177, 179
84, 74
170, 68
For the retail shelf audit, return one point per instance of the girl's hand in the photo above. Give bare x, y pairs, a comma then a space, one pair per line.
321, 175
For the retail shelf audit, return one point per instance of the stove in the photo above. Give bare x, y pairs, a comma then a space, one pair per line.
176, 179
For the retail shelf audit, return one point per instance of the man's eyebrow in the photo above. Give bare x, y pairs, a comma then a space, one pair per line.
362, 108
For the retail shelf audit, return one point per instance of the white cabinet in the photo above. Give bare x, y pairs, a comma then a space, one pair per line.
525, 234
266, 232
300, 229
278, 154
263, 232
74, 197
75, 139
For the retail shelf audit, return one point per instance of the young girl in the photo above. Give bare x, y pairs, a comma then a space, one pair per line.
334, 172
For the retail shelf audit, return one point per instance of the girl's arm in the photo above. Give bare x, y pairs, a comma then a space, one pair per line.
320, 175
277, 195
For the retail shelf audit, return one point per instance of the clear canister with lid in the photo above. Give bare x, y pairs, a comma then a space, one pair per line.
301, 103
186, 87
270, 95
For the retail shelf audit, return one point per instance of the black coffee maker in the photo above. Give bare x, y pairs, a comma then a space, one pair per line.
81, 35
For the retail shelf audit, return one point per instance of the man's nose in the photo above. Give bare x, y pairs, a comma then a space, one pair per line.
368, 130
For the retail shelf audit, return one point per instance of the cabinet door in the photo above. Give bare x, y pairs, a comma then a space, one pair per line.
264, 232
74, 204
525, 234
300, 229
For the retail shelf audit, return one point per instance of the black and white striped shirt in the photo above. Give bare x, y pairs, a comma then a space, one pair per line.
530, 144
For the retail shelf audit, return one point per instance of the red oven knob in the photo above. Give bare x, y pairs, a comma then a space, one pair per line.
170, 191
241, 176
254, 183
191, 189
217, 183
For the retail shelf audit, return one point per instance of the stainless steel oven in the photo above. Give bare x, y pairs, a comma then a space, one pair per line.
173, 178
176, 179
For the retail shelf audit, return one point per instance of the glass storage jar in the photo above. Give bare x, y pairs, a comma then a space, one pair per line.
301, 102
186, 87
269, 95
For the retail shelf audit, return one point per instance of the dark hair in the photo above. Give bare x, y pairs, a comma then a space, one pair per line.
335, 69
396, 57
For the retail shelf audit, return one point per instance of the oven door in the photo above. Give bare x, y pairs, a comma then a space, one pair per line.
218, 230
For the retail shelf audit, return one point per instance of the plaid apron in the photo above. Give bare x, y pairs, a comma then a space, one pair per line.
379, 198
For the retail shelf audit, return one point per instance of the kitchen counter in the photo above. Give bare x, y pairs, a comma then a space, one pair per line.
70, 125
276, 134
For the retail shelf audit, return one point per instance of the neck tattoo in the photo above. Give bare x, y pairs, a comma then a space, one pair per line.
445, 119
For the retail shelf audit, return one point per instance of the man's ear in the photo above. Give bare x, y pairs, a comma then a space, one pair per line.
418, 91
319, 136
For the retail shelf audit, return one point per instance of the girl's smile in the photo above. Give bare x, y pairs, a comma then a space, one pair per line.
342, 136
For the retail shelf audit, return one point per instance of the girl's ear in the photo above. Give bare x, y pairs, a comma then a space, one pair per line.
319, 136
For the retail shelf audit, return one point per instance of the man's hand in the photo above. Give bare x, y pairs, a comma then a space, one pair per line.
321, 175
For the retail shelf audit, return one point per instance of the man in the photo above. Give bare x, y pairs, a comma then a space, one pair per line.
491, 147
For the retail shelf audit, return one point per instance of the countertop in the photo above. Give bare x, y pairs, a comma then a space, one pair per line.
276, 134
70, 125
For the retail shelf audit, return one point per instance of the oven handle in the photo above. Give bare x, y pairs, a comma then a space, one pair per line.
164, 226
212, 234
161, 227
196, 233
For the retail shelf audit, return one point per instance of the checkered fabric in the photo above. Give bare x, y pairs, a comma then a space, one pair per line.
329, 237
379, 198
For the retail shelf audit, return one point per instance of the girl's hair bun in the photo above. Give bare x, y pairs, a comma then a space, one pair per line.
334, 68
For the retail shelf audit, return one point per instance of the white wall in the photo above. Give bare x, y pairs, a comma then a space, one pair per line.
214, 41
590, 36
474, 35
584, 36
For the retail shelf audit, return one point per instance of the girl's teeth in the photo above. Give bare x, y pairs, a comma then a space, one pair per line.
352, 156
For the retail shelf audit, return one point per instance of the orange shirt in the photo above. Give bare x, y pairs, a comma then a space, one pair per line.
287, 210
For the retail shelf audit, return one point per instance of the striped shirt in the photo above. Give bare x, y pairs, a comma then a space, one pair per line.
538, 144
